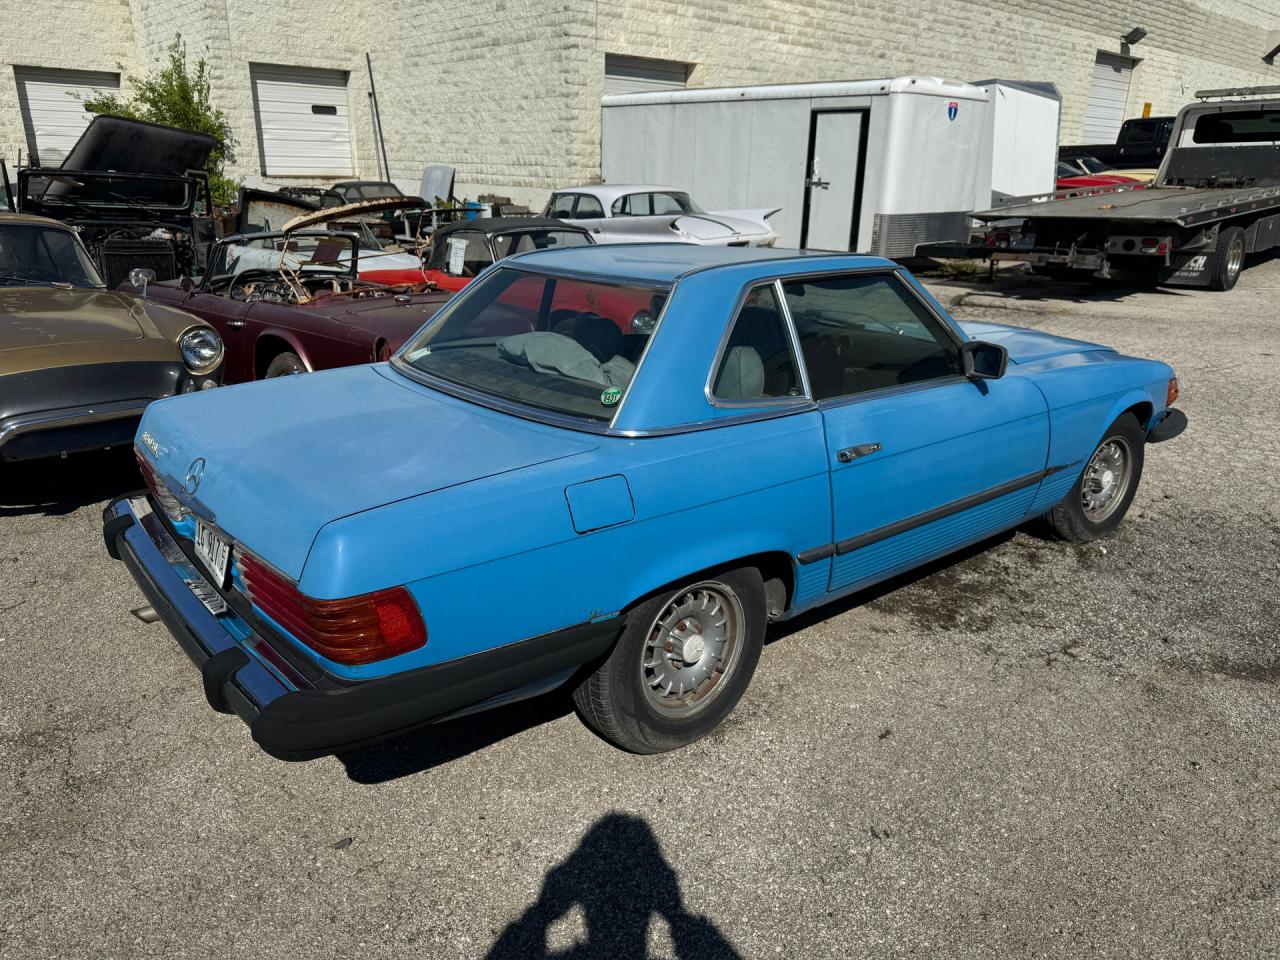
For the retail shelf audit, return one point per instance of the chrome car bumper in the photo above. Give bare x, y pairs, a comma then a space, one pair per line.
294, 709
69, 430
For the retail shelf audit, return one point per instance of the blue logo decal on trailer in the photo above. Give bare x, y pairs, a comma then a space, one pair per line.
952, 109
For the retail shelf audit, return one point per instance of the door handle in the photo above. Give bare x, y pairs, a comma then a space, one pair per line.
819, 184
235, 324
850, 454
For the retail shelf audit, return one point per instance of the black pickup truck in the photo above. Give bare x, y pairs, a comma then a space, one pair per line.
1141, 142
1215, 199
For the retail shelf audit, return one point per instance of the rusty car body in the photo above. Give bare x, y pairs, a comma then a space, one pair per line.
293, 301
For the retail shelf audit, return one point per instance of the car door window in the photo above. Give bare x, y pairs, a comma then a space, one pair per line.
757, 362
860, 333
633, 205
588, 206
562, 206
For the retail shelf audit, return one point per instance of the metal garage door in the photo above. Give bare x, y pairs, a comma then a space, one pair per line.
641, 75
1108, 98
304, 129
51, 115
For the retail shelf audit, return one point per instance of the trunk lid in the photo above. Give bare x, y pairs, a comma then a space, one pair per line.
284, 457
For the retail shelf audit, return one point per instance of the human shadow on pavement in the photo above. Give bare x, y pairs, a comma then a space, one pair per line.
619, 881
56, 486
450, 740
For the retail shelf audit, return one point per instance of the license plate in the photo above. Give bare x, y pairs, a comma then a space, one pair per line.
214, 553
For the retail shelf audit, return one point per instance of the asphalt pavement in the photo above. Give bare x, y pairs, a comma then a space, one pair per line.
1032, 749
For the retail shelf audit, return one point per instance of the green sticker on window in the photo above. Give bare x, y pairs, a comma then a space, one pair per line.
611, 396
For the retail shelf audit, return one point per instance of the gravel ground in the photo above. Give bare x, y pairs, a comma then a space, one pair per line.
1032, 749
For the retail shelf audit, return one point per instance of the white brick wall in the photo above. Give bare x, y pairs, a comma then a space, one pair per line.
508, 90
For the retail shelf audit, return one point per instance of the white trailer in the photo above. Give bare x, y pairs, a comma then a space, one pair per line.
873, 166
1025, 119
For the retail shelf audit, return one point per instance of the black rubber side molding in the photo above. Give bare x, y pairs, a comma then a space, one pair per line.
111, 531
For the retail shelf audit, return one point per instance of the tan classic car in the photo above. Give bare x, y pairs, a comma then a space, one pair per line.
79, 362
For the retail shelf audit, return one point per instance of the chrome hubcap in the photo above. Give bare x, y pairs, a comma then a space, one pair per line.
1235, 258
1106, 478
692, 646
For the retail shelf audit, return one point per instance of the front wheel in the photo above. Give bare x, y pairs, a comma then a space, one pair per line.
284, 365
1101, 495
681, 664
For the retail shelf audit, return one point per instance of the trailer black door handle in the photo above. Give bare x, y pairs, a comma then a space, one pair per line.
849, 454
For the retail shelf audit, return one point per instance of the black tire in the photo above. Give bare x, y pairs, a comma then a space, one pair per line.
619, 702
1071, 519
284, 365
1228, 259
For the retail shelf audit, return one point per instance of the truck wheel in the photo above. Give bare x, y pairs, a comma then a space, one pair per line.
683, 661
1101, 495
284, 365
1228, 259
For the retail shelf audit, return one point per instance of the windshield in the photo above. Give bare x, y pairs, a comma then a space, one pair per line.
566, 345
302, 252
32, 254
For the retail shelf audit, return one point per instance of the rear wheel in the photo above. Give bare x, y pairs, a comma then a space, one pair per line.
284, 365
1228, 260
682, 663
1101, 495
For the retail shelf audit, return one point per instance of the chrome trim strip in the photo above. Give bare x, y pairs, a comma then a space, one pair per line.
69, 417
795, 338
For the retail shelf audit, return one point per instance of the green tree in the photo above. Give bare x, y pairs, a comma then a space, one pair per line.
178, 96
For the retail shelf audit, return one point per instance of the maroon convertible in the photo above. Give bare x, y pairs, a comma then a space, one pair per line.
292, 303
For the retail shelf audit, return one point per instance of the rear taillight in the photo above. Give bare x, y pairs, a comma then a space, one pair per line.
352, 631
1171, 394
159, 491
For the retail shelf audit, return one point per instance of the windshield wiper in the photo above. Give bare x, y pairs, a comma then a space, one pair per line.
11, 281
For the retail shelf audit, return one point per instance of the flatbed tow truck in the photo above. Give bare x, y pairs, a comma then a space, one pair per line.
1215, 199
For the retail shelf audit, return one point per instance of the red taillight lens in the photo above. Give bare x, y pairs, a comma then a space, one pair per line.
353, 630
1172, 393
165, 500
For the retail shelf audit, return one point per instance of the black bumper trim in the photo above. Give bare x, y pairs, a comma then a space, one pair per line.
111, 530
1174, 422
312, 723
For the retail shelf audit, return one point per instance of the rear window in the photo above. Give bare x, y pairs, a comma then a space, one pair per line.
506, 244
565, 345
1244, 126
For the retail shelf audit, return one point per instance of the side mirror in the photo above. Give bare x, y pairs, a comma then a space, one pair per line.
983, 361
188, 284
140, 277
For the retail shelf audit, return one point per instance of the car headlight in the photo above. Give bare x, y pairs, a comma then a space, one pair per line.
201, 349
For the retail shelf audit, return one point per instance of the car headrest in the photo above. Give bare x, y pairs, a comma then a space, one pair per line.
599, 335
741, 376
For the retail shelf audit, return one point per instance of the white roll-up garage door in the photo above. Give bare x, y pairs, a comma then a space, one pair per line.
1108, 98
52, 112
304, 127
642, 75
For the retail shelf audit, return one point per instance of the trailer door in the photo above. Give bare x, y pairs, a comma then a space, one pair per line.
833, 183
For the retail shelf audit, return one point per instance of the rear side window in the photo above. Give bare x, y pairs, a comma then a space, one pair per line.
633, 205
588, 207
462, 254
865, 332
757, 362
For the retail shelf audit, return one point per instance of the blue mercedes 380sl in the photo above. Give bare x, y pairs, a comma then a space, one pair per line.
607, 467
